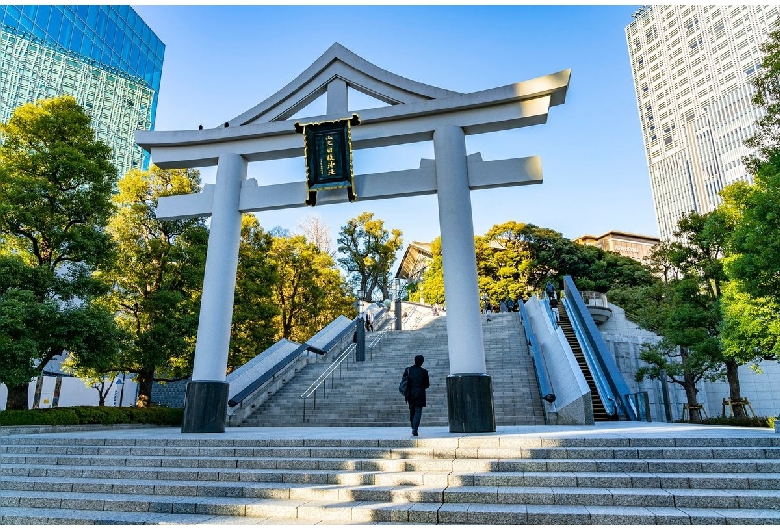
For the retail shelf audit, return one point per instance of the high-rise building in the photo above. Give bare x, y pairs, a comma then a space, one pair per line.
104, 56
692, 67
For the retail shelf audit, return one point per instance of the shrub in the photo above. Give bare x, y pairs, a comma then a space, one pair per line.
760, 421
83, 415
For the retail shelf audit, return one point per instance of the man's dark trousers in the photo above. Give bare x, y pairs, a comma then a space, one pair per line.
415, 413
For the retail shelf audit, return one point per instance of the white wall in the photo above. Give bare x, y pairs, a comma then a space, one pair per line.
74, 392
624, 339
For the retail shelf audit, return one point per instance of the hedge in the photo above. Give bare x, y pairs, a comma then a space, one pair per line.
92, 415
737, 422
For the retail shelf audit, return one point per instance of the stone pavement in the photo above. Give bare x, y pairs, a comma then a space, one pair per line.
608, 473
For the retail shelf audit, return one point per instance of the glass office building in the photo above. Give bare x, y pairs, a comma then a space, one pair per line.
104, 56
692, 67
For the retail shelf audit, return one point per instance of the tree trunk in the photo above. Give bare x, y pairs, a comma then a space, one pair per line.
735, 394
17, 397
145, 380
690, 393
689, 385
37, 396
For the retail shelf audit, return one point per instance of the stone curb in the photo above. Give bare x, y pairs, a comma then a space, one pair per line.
43, 429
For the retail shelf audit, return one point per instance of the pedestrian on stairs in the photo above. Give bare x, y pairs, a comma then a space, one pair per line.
415, 391
369, 321
550, 289
554, 307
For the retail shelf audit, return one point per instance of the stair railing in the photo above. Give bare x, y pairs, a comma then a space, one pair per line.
540, 366
376, 342
339, 363
408, 317
609, 381
330, 371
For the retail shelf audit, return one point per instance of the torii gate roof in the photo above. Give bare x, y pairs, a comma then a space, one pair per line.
266, 132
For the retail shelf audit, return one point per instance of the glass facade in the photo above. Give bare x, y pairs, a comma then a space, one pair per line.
692, 67
104, 56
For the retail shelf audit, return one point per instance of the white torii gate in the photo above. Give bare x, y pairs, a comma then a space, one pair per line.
416, 112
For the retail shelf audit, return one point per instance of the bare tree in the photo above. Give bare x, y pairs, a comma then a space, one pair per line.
316, 231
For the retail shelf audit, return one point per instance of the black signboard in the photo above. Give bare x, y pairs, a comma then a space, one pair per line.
327, 148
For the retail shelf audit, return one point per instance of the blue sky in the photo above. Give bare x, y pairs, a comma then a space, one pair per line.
221, 61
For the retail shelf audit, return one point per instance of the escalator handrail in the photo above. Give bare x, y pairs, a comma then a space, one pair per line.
592, 336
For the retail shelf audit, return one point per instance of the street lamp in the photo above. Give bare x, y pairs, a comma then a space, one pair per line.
360, 330
396, 287
358, 297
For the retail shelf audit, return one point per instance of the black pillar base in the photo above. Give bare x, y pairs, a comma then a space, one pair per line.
398, 315
470, 403
205, 406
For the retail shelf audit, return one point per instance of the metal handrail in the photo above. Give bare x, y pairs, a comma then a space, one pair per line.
377, 340
408, 317
547, 309
540, 366
311, 392
602, 357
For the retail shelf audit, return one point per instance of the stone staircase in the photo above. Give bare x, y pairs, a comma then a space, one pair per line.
366, 394
477, 479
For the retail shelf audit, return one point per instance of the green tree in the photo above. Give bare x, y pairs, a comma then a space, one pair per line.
503, 262
515, 257
753, 295
254, 309
755, 239
686, 309
369, 251
311, 291
157, 278
750, 329
432, 285
765, 143
56, 182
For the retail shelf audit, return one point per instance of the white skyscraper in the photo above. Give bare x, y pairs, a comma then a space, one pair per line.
692, 66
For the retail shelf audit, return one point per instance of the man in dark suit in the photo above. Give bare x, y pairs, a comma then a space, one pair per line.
415, 391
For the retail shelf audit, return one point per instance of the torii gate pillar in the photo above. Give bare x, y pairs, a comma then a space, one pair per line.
208, 384
469, 388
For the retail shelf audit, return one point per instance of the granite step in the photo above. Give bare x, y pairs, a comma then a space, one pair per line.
471, 479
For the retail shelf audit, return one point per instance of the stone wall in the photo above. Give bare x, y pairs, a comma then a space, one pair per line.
625, 339
170, 394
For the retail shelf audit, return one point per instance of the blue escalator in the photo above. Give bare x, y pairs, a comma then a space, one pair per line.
609, 392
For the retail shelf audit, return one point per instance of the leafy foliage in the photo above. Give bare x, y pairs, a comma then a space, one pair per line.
686, 309
310, 292
157, 277
254, 310
56, 182
83, 415
754, 244
368, 253
766, 141
750, 329
432, 286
